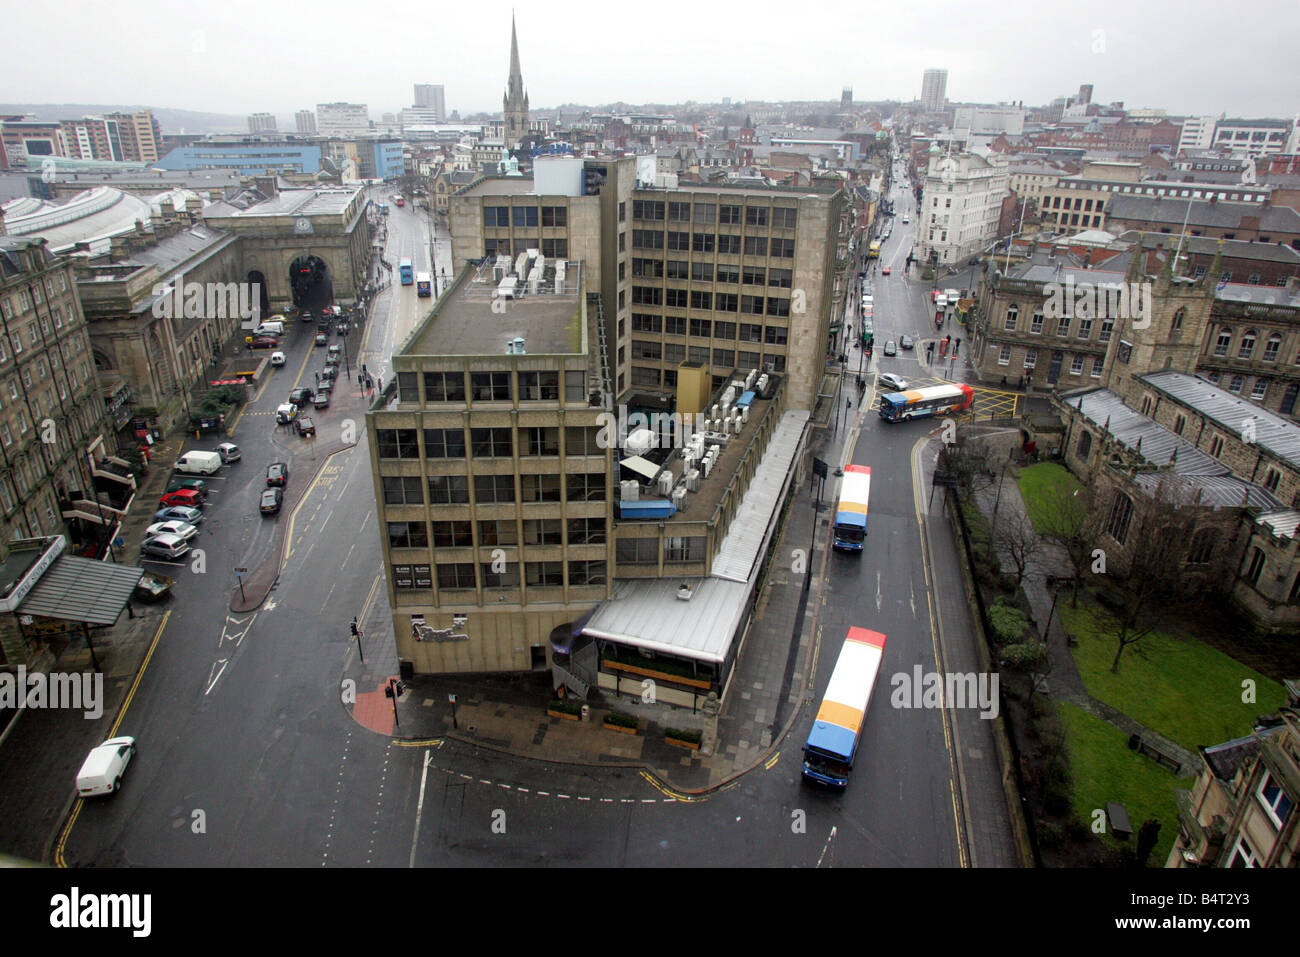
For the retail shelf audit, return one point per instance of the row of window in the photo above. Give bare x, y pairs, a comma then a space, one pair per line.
461, 575
707, 214
1077, 361
710, 302
722, 358
697, 271
525, 216
1063, 202
1258, 390
1065, 323
496, 489
500, 386
550, 248
708, 328
493, 442
16, 335
1246, 347
20, 301
497, 532
720, 243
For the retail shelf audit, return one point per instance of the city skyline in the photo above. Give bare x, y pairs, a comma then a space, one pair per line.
1135, 55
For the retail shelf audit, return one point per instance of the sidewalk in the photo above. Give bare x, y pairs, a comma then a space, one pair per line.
508, 713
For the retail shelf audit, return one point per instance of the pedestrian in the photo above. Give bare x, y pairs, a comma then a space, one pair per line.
380, 380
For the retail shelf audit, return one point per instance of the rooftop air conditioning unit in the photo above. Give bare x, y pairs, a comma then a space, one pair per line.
679, 499
631, 490
665, 482
708, 465
639, 440
693, 480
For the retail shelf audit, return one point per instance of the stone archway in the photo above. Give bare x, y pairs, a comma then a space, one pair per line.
257, 277
311, 282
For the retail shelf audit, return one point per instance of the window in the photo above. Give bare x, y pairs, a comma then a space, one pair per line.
496, 216
543, 531
456, 575
775, 335
525, 216
754, 275
782, 278
1272, 347
506, 578
675, 325
1031, 358
587, 573
755, 245
1004, 356
674, 353
778, 307
1063, 326
540, 488
647, 296
494, 488
784, 217
402, 490
541, 386
397, 444
646, 239
702, 271
559, 249
491, 443
782, 249
448, 489
1036, 322
1180, 423
1107, 327
1177, 324
586, 487
647, 209
545, 573
644, 349
408, 535
726, 302
1216, 445
444, 443
702, 242
648, 268
494, 533
444, 387
728, 274
1223, 342
1259, 389
729, 215
1120, 518
1013, 316
637, 551
701, 300
555, 216
1256, 567
702, 328
1236, 383
753, 305
1247, 347
490, 386
724, 357
752, 331
1085, 328
724, 330
1277, 804
1097, 366
684, 549
728, 245
681, 242
756, 216
1085, 444
676, 298
622, 212
453, 535
643, 322
582, 441
1202, 548
679, 212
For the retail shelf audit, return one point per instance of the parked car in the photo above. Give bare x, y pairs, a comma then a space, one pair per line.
299, 397
322, 399
101, 772
891, 349
165, 546
306, 315
277, 473
277, 358
182, 530
194, 484
890, 381
322, 339
179, 513
198, 463
333, 359
264, 342
306, 426
906, 342
185, 496
884, 270
285, 413
272, 499
229, 452
906, 219
335, 350
328, 375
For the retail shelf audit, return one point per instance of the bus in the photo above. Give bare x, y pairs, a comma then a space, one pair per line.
399, 202
873, 251
833, 741
408, 275
850, 529
423, 286
933, 400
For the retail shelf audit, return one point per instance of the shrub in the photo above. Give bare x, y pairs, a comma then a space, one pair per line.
619, 719
1056, 771
1026, 655
565, 706
681, 734
1007, 621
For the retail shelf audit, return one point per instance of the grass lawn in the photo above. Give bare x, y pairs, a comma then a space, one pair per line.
1175, 685
1104, 769
1043, 487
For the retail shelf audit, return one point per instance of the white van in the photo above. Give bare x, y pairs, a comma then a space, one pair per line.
102, 771
286, 413
199, 463
272, 327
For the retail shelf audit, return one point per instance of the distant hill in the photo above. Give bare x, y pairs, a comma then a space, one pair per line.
171, 121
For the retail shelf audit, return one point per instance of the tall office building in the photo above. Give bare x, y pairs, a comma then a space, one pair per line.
138, 135
934, 87
1085, 94
305, 121
342, 119
261, 123
431, 96
846, 98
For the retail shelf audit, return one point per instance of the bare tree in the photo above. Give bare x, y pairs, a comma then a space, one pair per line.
1071, 519
1015, 537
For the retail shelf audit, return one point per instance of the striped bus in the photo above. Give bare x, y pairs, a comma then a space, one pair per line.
933, 400
833, 741
850, 528
873, 251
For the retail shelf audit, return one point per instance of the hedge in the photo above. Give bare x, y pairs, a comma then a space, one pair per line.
679, 734
621, 720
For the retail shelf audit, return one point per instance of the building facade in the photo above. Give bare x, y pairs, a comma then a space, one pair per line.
304, 121
960, 206
261, 123
342, 119
934, 88
432, 96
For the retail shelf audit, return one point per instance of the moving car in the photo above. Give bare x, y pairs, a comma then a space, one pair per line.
328, 375
165, 546
179, 513
299, 396
271, 501
182, 530
285, 413
890, 381
277, 358
306, 426
322, 399
890, 348
305, 315
906, 342
906, 219
884, 270
322, 339
277, 473
185, 496
101, 772
229, 452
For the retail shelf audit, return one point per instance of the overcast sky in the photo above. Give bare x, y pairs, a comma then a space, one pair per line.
242, 56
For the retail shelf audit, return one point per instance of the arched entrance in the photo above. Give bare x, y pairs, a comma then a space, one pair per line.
309, 278
255, 276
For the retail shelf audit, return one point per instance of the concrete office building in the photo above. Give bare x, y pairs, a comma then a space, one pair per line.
342, 119
261, 123
304, 121
722, 276
431, 96
934, 87
962, 203
1197, 133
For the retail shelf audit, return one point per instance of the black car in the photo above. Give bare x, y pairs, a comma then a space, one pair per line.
272, 499
906, 342
300, 397
277, 473
306, 426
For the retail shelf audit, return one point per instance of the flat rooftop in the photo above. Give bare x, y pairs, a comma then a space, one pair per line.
293, 202
464, 322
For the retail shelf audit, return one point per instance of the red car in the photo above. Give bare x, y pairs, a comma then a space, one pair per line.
185, 496
265, 342
884, 270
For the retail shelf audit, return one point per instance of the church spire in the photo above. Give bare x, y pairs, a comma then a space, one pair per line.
515, 102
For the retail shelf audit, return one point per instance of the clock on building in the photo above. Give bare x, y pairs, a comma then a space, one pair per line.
302, 225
